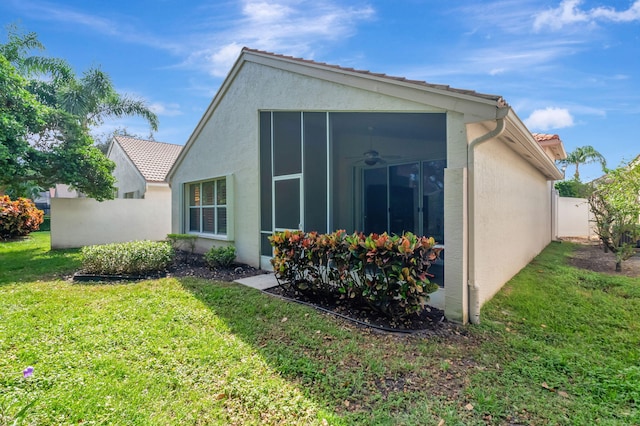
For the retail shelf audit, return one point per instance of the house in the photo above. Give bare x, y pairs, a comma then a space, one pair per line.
552, 145
142, 166
289, 143
141, 209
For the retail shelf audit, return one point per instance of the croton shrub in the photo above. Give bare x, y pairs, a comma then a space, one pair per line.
389, 273
19, 217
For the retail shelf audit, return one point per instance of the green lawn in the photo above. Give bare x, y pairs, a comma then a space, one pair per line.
557, 346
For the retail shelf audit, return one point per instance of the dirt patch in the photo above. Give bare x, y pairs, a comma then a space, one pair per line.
590, 255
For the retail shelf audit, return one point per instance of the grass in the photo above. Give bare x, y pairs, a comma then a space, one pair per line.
557, 346
29, 259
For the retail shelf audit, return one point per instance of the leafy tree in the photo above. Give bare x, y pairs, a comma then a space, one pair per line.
615, 203
46, 115
584, 155
573, 188
91, 98
40, 145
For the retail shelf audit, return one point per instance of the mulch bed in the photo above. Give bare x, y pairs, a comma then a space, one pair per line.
590, 255
430, 320
194, 265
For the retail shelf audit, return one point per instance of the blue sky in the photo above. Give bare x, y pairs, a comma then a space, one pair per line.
569, 67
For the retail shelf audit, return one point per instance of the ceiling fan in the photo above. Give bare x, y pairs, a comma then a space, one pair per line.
371, 157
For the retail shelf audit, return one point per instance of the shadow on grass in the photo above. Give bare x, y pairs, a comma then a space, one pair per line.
29, 259
365, 376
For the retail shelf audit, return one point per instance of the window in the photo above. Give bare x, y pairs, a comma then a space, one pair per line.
208, 210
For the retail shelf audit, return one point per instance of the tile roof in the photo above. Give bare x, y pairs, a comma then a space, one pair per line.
500, 102
543, 137
153, 159
551, 144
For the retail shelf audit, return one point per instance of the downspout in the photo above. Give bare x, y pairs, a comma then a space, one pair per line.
474, 290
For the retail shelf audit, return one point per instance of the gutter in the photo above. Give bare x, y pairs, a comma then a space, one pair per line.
472, 284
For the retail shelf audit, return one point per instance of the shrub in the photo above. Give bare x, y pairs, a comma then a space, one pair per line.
46, 223
185, 242
220, 256
18, 218
388, 273
133, 258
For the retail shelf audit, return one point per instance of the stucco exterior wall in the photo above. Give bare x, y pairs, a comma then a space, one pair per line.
77, 222
228, 142
574, 218
512, 221
455, 220
128, 178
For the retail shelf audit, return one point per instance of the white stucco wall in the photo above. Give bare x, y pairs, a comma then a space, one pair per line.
512, 215
128, 178
228, 143
574, 218
77, 222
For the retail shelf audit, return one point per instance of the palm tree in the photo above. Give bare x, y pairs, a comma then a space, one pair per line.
91, 98
584, 155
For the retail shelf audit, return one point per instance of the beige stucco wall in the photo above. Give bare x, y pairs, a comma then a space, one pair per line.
77, 222
455, 220
228, 143
512, 221
128, 178
574, 218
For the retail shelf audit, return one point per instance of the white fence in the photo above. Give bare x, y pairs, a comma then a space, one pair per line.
78, 222
574, 218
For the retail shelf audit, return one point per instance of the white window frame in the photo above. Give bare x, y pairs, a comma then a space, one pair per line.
229, 235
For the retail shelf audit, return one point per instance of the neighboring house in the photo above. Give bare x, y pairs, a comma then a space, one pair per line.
289, 143
141, 209
552, 145
142, 166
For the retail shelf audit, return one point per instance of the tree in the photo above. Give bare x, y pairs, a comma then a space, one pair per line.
49, 142
43, 146
573, 188
615, 204
584, 155
91, 98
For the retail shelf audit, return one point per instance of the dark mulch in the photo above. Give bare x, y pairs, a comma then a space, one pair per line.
194, 265
431, 320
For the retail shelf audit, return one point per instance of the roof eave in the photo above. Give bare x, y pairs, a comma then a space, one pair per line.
520, 139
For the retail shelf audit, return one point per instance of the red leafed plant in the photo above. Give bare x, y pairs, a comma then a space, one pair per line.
18, 218
388, 273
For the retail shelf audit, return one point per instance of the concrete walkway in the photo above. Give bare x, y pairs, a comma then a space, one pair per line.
260, 282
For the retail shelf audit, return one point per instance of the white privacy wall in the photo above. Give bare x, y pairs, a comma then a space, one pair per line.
574, 218
78, 222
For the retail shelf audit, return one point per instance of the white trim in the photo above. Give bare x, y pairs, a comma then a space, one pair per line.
228, 206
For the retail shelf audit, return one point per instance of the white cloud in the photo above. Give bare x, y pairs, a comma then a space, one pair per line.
290, 27
167, 110
569, 13
549, 118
